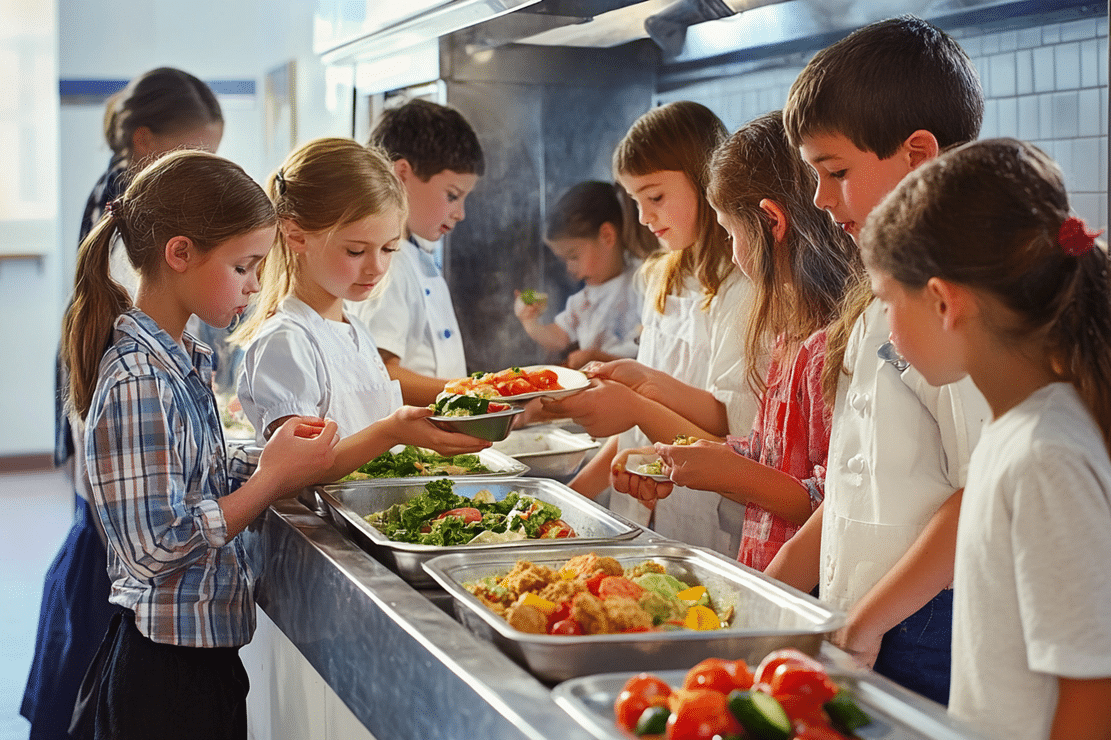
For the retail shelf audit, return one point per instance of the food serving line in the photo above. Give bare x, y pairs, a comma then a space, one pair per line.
393, 653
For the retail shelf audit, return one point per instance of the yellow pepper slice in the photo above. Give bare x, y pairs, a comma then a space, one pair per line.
701, 618
694, 593
531, 599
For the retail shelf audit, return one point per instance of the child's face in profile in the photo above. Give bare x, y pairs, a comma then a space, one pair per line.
851, 182
436, 205
227, 276
668, 205
594, 260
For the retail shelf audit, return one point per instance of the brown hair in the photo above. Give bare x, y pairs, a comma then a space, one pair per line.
322, 186
798, 283
165, 100
680, 137
184, 193
988, 215
431, 138
876, 87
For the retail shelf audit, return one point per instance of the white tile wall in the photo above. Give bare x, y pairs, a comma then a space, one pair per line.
1046, 84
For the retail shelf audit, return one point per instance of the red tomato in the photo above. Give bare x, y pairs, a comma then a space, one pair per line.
709, 674
815, 729
566, 626
563, 611
802, 687
700, 714
466, 513
640, 692
739, 670
555, 529
777, 658
619, 586
515, 387
594, 582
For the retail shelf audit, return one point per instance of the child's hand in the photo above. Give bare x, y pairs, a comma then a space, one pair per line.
858, 641
603, 409
631, 373
699, 466
528, 312
645, 490
410, 426
299, 453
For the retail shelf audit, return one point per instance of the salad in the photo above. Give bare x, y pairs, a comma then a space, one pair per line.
413, 460
452, 404
592, 595
439, 516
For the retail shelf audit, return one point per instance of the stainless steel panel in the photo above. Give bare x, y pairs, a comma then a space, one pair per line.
348, 503
896, 713
562, 454
768, 615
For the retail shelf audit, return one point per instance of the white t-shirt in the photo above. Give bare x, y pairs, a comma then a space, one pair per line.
1032, 595
898, 449
412, 316
606, 317
301, 364
704, 349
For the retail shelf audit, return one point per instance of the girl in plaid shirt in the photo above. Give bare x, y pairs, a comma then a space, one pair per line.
195, 227
799, 262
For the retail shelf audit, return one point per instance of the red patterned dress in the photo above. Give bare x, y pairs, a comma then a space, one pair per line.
790, 434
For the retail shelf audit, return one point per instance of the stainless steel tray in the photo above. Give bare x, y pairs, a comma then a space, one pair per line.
348, 503
549, 451
767, 614
897, 714
499, 463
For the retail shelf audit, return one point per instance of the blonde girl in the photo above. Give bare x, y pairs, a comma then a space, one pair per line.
195, 227
799, 263
688, 376
984, 272
341, 212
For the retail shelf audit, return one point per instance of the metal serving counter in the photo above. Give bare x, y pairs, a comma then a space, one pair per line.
406, 669
401, 665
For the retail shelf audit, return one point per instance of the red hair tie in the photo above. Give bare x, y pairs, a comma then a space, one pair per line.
1074, 237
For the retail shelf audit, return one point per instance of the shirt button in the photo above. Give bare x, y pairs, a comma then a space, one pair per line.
859, 401
447, 333
427, 291
856, 464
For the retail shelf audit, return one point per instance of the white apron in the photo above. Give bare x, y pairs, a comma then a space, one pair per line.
447, 342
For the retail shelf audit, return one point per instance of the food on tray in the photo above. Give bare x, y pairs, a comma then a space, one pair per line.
441, 517
593, 595
684, 439
789, 696
414, 460
505, 383
451, 404
530, 296
656, 467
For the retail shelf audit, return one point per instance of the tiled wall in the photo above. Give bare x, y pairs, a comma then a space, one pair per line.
1046, 84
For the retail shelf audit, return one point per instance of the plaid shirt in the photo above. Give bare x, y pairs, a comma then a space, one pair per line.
155, 453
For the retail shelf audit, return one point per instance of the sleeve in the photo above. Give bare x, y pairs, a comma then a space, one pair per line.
629, 321
397, 310
569, 318
1061, 524
282, 375
961, 412
138, 479
726, 371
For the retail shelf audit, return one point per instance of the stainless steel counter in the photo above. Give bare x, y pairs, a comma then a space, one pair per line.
400, 663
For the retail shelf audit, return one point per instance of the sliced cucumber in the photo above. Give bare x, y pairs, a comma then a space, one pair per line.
844, 713
760, 714
653, 721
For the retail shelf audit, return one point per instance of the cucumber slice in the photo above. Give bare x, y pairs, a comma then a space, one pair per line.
760, 714
653, 721
844, 713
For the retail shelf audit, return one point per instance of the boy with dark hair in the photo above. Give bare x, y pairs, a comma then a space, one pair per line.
864, 113
437, 157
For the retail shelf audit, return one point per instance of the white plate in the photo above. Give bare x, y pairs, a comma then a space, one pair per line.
635, 462
572, 381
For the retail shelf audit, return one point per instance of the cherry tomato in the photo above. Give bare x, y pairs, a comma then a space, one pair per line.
815, 729
777, 658
709, 674
566, 627
619, 586
640, 692
594, 582
700, 714
802, 689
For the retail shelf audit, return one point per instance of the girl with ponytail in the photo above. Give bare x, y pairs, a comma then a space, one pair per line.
195, 228
984, 272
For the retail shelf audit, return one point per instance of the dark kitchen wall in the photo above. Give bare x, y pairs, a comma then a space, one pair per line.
547, 118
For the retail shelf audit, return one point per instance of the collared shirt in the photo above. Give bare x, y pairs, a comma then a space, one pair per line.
154, 449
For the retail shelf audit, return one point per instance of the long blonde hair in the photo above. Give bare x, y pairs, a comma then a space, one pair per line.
322, 186
185, 193
680, 137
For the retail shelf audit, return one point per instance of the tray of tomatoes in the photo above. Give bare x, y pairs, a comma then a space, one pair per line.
788, 695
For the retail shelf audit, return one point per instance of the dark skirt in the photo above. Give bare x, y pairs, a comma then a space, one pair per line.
917, 652
73, 619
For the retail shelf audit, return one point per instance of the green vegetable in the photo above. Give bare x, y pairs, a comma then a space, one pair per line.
472, 405
530, 296
415, 460
653, 721
760, 714
844, 713
661, 583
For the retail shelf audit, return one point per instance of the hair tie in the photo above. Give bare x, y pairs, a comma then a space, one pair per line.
1074, 237
110, 207
279, 180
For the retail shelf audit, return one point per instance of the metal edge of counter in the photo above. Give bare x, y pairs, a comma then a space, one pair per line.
400, 664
